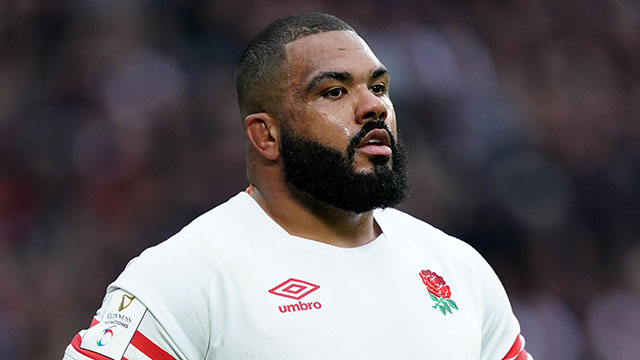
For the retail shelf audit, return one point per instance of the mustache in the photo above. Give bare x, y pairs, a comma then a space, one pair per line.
371, 125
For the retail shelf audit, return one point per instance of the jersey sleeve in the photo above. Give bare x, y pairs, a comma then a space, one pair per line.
517, 351
123, 328
501, 338
162, 296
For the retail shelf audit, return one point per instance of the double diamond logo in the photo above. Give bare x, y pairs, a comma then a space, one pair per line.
294, 289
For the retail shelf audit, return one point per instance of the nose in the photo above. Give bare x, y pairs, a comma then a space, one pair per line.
370, 107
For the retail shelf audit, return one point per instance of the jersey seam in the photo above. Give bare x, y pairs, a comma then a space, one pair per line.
209, 319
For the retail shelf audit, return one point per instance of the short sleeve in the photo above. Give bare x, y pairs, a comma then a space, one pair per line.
501, 337
123, 328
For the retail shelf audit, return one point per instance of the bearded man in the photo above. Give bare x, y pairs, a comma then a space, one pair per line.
311, 261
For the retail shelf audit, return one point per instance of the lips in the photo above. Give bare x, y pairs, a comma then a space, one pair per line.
376, 142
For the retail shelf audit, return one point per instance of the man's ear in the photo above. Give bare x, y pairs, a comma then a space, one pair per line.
263, 134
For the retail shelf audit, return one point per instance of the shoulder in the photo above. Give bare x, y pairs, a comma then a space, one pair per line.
179, 270
205, 242
414, 232
463, 265
427, 244
173, 279
202, 245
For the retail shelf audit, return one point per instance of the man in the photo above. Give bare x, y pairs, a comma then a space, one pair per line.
306, 264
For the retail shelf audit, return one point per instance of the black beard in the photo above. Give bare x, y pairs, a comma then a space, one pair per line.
317, 172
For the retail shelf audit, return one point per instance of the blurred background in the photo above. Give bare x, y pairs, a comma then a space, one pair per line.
118, 125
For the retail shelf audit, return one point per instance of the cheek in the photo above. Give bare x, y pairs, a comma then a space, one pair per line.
336, 122
332, 125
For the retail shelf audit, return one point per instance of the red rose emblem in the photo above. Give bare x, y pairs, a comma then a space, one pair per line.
435, 284
438, 291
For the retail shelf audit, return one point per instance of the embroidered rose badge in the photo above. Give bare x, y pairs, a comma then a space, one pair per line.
439, 291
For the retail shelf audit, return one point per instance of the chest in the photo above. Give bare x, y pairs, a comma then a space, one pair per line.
298, 305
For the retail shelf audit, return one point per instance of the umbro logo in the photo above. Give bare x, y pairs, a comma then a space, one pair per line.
296, 289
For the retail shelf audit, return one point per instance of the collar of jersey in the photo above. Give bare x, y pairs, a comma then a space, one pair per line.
370, 247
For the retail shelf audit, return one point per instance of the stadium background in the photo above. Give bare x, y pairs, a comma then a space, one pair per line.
118, 125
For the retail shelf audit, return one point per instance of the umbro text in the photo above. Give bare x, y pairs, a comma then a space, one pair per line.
300, 306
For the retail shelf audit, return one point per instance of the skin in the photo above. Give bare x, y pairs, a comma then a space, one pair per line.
334, 84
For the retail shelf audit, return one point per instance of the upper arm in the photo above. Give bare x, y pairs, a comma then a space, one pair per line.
123, 329
501, 338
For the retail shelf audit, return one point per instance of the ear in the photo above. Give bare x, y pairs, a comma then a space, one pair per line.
263, 134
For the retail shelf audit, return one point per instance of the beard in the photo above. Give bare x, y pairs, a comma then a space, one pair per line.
318, 174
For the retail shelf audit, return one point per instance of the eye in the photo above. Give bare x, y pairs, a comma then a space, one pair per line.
379, 89
334, 93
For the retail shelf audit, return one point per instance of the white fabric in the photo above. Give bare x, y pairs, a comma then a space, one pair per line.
208, 290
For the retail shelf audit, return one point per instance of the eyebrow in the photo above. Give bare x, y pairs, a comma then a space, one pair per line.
379, 72
342, 76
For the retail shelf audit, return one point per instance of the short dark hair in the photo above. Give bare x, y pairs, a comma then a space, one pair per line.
265, 54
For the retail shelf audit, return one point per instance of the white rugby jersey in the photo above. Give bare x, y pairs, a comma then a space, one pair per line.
234, 285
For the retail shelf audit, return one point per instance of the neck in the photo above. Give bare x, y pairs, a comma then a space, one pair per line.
303, 216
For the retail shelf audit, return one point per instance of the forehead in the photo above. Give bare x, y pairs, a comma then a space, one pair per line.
330, 51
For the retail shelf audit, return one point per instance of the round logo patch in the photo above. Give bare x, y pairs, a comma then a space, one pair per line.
107, 335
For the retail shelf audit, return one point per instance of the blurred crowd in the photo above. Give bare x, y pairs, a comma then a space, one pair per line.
118, 125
